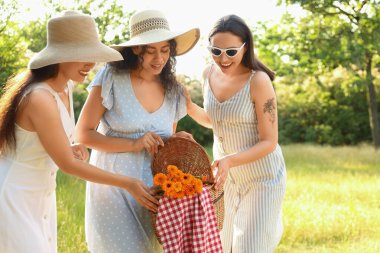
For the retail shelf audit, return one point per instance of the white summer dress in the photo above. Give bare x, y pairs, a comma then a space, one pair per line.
28, 220
253, 192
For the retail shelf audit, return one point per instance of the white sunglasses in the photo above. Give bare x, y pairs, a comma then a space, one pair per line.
230, 52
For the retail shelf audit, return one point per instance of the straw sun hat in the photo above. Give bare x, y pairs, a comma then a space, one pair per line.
73, 37
151, 26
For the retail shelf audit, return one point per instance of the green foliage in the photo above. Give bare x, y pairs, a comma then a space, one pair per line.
351, 28
13, 47
79, 98
18, 41
334, 113
201, 134
34, 33
314, 105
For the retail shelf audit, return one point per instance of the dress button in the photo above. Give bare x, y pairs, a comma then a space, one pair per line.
49, 239
52, 173
220, 138
45, 217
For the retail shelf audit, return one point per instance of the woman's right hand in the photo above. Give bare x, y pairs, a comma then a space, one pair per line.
142, 194
220, 169
150, 142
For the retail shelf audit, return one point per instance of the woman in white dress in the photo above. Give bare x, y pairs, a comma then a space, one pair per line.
240, 106
37, 135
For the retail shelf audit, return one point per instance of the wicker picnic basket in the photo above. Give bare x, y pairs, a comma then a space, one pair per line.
191, 158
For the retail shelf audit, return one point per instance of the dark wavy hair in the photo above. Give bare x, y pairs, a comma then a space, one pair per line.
167, 75
12, 96
237, 26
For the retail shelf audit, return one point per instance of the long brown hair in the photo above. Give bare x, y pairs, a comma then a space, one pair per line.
12, 96
237, 26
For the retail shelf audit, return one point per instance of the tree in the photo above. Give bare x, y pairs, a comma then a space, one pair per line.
201, 134
352, 29
19, 41
13, 47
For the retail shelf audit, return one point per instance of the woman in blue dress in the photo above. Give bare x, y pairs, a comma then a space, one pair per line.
138, 103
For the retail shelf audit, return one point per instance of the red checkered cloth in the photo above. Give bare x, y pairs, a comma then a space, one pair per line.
188, 225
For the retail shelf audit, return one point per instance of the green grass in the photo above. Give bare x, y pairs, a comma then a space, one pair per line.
332, 202
70, 212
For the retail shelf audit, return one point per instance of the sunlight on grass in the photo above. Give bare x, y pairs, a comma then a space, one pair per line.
330, 205
332, 202
70, 205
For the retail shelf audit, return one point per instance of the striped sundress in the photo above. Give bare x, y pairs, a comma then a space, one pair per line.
253, 192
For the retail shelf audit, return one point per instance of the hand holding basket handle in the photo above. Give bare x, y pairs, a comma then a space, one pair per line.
150, 142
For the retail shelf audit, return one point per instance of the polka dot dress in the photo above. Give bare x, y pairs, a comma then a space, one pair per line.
115, 222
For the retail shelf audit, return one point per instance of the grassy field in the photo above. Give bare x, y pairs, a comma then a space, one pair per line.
332, 202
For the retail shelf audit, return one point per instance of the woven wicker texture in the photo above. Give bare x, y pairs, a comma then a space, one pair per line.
190, 157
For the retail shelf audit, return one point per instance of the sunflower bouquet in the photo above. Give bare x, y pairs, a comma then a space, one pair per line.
185, 219
177, 184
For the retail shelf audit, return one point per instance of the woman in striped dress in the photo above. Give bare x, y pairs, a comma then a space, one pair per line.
240, 106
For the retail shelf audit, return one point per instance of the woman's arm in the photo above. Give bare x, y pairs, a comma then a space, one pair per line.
196, 112
264, 98
43, 113
89, 119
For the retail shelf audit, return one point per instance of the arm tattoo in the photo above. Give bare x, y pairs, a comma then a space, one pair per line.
269, 107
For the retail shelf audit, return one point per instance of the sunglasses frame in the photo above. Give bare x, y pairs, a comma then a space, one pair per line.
238, 49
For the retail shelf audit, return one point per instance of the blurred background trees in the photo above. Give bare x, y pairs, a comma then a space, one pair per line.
327, 64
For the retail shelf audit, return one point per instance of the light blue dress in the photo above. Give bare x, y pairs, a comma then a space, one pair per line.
115, 222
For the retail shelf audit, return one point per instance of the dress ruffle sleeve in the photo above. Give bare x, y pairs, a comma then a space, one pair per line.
181, 108
104, 78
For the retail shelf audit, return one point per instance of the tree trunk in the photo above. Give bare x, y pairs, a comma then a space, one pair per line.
372, 104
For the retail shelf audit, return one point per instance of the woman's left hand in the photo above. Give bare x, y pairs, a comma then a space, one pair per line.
184, 134
80, 151
220, 168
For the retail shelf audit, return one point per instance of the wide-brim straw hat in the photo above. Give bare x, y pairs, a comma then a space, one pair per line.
73, 37
151, 26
